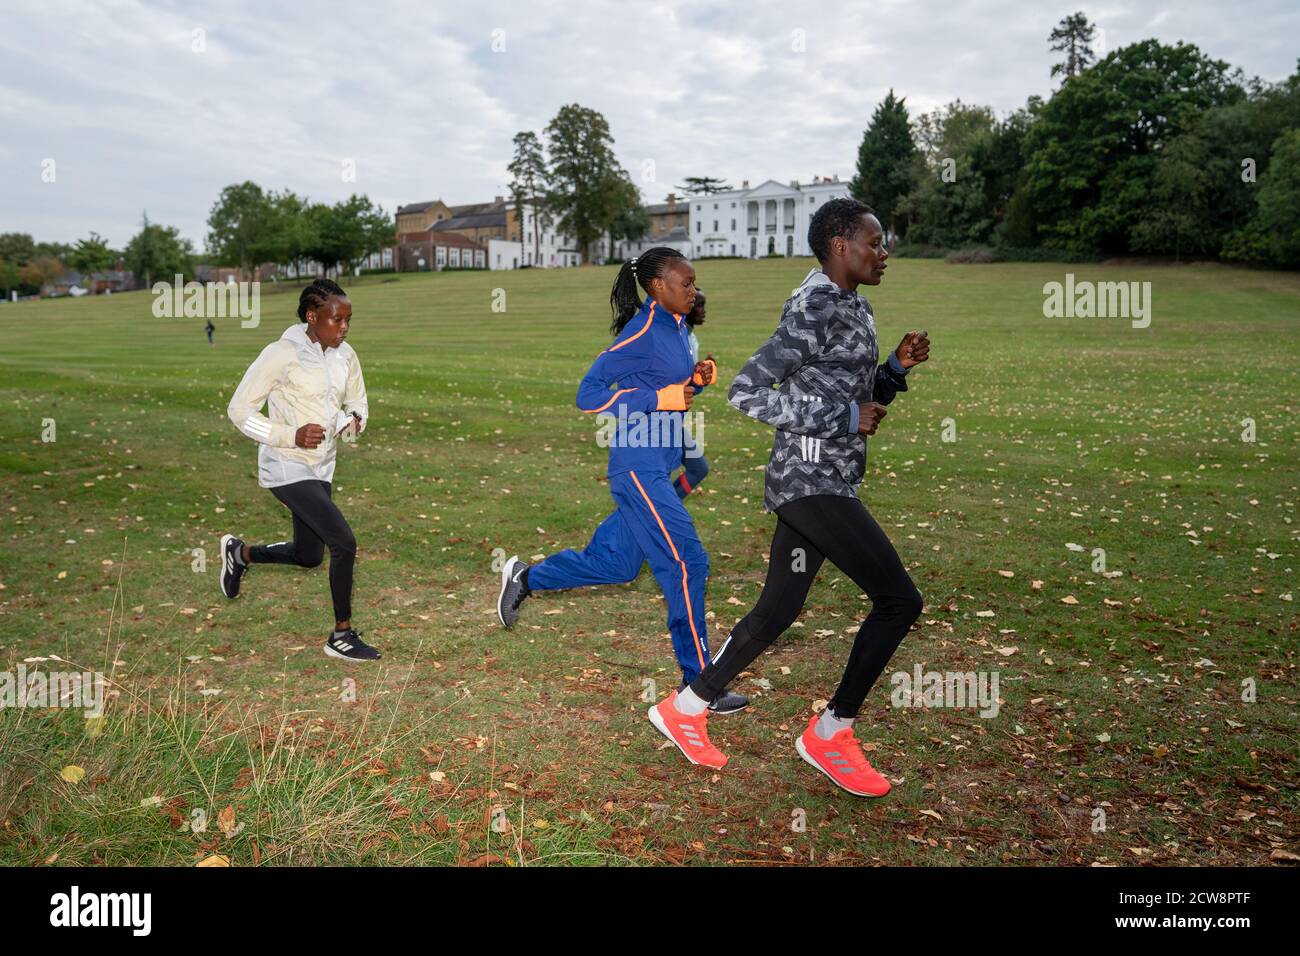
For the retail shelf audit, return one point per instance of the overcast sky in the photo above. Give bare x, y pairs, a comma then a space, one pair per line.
136, 116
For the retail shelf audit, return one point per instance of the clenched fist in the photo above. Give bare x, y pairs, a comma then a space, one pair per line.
914, 349
309, 436
706, 371
869, 416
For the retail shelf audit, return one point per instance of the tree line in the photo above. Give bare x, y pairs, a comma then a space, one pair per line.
1155, 149
247, 227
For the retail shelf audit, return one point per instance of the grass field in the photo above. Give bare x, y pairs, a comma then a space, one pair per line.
1120, 693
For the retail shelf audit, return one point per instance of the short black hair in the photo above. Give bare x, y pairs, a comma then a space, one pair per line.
839, 217
316, 295
692, 318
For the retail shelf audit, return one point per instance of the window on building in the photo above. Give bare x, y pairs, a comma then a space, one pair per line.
455, 258
699, 226
733, 223
715, 205
715, 225
441, 257
733, 245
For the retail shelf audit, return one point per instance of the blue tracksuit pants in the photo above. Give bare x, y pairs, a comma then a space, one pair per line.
649, 523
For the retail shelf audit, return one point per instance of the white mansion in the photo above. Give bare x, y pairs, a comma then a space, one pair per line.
770, 219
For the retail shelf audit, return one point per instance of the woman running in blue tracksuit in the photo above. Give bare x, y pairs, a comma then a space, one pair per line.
646, 379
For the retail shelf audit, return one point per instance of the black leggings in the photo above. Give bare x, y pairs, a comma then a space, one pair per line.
317, 524
808, 531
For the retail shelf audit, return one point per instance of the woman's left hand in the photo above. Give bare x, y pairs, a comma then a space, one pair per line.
914, 349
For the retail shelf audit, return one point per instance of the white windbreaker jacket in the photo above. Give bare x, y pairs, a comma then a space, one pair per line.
300, 385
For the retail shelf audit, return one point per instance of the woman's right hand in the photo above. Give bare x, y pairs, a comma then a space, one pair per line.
675, 398
309, 436
869, 416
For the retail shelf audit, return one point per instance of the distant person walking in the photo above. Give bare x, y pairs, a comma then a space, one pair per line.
210, 328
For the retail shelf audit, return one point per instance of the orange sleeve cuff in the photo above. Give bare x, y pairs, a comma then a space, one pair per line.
672, 398
713, 367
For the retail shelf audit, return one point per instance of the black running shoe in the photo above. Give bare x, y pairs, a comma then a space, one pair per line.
728, 702
232, 569
513, 592
349, 646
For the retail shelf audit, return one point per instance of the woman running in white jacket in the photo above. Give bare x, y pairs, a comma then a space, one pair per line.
310, 382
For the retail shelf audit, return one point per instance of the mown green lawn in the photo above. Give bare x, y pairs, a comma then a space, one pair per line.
1068, 431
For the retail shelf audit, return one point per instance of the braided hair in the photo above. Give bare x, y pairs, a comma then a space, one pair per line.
624, 301
316, 295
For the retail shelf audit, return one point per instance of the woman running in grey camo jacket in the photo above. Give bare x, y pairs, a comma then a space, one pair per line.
831, 395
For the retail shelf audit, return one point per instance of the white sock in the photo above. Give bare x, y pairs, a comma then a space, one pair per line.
828, 725
690, 703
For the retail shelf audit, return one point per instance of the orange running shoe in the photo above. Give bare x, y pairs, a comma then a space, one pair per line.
690, 734
841, 759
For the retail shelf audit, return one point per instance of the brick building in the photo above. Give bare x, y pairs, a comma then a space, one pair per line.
431, 249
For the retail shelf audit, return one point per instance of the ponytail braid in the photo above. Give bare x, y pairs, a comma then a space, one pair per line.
624, 301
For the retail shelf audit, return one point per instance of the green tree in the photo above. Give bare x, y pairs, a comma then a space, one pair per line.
345, 233
579, 191
1073, 36
947, 205
951, 130
999, 159
1181, 217
1092, 149
628, 220
158, 253
886, 160
17, 247
1273, 234
528, 187
242, 228
294, 231
53, 250
702, 186
91, 255
1232, 145
42, 271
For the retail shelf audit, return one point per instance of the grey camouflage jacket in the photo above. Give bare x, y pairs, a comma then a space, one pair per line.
822, 359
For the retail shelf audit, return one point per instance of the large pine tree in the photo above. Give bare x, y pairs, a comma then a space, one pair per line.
885, 160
